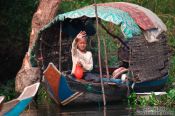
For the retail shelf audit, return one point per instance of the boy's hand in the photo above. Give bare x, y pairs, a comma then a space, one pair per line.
79, 63
82, 34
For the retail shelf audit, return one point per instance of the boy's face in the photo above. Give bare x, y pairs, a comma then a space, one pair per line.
82, 44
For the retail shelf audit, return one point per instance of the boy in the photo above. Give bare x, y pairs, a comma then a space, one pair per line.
79, 53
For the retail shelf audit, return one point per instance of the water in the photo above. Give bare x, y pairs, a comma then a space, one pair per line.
94, 110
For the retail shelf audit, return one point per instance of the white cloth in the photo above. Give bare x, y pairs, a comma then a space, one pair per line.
85, 58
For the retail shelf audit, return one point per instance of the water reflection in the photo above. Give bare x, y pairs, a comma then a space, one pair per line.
95, 110
156, 110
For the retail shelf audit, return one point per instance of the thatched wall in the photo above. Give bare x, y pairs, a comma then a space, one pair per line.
149, 61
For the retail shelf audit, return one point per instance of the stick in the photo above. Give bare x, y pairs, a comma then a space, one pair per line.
106, 58
121, 41
41, 56
99, 56
60, 46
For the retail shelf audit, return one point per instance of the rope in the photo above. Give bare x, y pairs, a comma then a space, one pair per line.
99, 56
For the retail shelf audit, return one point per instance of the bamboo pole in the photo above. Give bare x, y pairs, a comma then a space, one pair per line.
60, 40
106, 58
99, 56
41, 58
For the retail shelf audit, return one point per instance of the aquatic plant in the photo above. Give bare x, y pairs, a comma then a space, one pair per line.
152, 100
43, 97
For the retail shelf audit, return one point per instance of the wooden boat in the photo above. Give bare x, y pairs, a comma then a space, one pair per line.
146, 59
1, 99
150, 86
17, 106
66, 89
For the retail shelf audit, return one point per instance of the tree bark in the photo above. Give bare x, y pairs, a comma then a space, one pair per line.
28, 75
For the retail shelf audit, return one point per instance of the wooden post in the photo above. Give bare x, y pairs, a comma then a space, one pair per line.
60, 38
99, 56
106, 58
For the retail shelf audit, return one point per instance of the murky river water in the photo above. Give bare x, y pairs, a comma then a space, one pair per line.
95, 110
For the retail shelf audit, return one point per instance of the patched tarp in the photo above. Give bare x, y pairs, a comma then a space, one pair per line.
151, 35
114, 15
152, 16
138, 15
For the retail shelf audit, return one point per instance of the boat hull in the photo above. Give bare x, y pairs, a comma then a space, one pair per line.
17, 106
65, 89
151, 86
92, 91
68, 90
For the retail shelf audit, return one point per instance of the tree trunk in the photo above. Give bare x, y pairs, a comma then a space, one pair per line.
28, 75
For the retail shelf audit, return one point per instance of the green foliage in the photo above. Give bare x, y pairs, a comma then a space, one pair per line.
33, 59
170, 98
132, 99
15, 26
153, 100
43, 96
171, 78
8, 90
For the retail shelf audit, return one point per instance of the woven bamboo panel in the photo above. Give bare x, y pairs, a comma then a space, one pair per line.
51, 46
149, 61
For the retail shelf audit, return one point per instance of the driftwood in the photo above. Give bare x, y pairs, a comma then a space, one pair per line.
46, 11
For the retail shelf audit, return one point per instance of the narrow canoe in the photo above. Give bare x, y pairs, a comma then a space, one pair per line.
17, 106
1, 99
